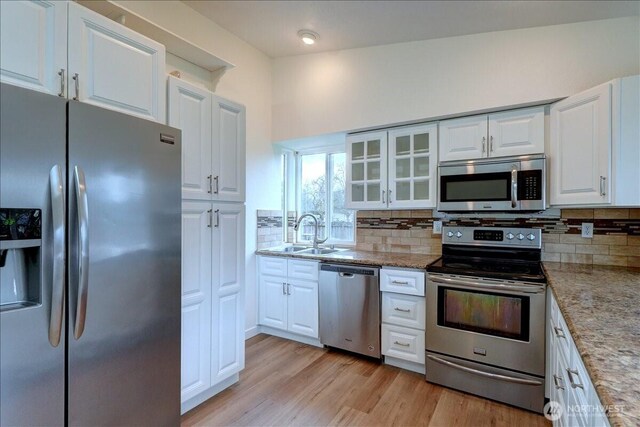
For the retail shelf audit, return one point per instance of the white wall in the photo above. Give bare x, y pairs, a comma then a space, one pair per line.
362, 88
249, 84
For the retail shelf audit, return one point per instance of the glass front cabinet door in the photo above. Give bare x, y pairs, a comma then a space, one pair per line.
367, 171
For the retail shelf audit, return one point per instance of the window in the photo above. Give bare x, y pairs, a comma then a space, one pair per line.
321, 188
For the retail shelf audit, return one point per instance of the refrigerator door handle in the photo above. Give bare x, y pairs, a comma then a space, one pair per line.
83, 251
59, 233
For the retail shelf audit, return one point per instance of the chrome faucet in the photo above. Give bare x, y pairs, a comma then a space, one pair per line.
316, 242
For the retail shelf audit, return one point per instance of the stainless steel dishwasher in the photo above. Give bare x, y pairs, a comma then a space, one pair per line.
350, 308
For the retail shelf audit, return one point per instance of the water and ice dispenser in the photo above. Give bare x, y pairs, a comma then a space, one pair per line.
20, 247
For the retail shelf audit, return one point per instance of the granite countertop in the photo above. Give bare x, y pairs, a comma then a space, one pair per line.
601, 306
387, 259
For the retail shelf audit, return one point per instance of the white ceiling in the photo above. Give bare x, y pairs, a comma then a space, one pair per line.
271, 26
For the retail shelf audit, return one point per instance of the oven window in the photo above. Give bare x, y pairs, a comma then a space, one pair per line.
481, 187
489, 313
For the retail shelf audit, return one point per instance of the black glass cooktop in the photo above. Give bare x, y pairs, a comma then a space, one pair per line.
489, 267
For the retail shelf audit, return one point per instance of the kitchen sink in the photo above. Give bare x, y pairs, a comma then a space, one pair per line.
319, 251
290, 249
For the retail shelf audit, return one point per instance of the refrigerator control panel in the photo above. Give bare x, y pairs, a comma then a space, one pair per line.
20, 224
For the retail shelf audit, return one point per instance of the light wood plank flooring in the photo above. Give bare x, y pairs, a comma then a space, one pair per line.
287, 383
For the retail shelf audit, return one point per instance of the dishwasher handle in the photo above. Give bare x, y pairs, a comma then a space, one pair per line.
345, 270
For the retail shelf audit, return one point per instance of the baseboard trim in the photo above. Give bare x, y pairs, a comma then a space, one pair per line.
208, 394
251, 332
405, 364
289, 336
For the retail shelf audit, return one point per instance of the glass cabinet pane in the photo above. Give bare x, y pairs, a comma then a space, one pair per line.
373, 192
421, 143
357, 151
421, 166
403, 190
373, 170
357, 172
373, 149
403, 145
357, 192
403, 168
421, 190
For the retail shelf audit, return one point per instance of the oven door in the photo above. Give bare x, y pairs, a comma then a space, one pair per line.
489, 321
479, 187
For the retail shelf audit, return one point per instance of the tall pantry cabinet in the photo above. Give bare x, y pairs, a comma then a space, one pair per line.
213, 224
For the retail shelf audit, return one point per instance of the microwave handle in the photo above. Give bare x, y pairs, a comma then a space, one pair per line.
514, 187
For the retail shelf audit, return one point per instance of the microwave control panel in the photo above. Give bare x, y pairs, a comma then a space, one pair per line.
530, 185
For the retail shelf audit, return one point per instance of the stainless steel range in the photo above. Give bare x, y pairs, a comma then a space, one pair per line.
486, 315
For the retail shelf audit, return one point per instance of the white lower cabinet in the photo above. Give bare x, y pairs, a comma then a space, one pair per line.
403, 318
288, 295
576, 400
212, 298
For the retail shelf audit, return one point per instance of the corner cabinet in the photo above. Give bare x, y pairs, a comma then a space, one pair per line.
394, 169
506, 133
65, 49
594, 150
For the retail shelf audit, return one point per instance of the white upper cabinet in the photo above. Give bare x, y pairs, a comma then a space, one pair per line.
33, 45
65, 49
114, 67
190, 111
507, 133
413, 166
228, 150
366, 171
594, 150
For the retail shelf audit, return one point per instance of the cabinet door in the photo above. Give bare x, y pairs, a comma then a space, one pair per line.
413, 163
463, 138
516, 132
272, 301
116, 67
196, 299
190, 111
366, 186
228, 150
33, 45
580, 146
302, 307
227, 354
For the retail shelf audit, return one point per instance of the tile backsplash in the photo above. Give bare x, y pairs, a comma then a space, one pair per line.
270, 228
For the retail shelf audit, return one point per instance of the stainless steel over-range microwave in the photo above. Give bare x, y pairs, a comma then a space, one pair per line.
500, 184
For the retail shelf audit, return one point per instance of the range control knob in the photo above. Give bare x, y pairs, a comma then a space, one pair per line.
450, 234
520, 236
531, 237
510, 236
458, 234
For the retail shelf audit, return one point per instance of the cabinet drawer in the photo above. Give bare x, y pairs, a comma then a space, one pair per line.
410, 282
403, 310
273, 266
305, 270
403, 343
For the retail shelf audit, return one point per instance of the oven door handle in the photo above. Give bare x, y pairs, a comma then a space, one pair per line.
528, 289
485, 374
514, 187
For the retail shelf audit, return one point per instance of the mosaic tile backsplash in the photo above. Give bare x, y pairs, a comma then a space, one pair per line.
616, 239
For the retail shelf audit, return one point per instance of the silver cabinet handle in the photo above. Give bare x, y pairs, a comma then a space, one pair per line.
383, 197
485, 374
603, 180
82, 206
402, 309
210, 178
484, 140
210, 215
76, 79
401, 344
284, 288
514, 187
59, 235
61, 74
217, 180
397, 282
217, 218
491, 143
559, 332
288, 288
389, 197
558, 382
573, 383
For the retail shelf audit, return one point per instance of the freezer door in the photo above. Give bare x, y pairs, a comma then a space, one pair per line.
32, 143
124, 270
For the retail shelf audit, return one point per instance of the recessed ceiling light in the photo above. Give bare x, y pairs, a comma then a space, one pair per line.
307, 36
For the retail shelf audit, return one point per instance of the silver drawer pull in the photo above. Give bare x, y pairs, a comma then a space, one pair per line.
559, 332
397, 282
402, 309
558, 382
402, 344
573, 383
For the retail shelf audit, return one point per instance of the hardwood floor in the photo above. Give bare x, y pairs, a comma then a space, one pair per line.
288, 383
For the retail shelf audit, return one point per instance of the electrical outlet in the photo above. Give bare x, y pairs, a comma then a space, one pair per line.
587, 230
437, 227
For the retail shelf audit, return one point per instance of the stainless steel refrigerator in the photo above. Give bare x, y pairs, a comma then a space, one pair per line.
90, 237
